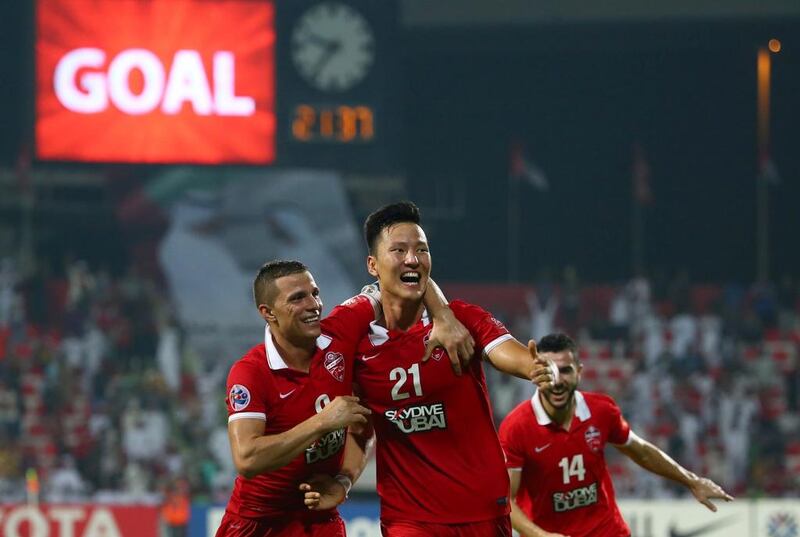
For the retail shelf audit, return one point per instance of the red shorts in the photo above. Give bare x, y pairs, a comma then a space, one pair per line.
497, 527
297, 526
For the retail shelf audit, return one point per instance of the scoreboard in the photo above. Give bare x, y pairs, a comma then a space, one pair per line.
338, 88
255, 82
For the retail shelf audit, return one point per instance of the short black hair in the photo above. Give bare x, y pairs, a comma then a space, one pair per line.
558, 342
264, 290
386, 216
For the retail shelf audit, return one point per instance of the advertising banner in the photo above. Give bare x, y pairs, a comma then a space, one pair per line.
76, 520
646, 518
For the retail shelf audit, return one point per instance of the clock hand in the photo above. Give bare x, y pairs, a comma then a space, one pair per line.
332, 48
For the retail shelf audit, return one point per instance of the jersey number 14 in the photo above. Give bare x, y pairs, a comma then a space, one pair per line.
572, 468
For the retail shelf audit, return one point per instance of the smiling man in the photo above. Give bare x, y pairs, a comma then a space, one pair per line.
554, 446
290, 404
440, 467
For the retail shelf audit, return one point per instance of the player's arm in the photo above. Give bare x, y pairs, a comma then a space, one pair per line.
325, 491
360, 441
513, 358
254, 452
448, 332
519, 521
654, 460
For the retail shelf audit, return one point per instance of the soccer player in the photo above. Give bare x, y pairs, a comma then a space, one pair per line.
554, 446
290, 406
440, 468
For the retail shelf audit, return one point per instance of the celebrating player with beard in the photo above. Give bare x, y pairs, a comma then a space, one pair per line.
554, 445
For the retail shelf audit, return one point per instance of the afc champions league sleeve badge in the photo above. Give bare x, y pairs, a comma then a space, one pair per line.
334, 363
239, 397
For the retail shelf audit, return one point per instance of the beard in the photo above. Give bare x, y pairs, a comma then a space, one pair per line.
560, 397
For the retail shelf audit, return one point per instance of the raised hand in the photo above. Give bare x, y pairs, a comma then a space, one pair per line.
342, 412
544, 373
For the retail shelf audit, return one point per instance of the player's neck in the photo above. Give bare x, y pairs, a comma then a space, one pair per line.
400, 313
296, 354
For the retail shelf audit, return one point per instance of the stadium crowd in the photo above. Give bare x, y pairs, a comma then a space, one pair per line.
100, 395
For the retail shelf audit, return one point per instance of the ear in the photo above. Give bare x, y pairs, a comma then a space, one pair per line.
372, 266
266, 313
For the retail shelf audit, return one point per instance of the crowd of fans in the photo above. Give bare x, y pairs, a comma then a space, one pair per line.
97, 393
102, 397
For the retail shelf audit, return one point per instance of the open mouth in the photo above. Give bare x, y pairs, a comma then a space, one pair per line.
410, 277
311, 320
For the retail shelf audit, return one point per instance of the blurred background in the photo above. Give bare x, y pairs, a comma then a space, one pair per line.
625, 172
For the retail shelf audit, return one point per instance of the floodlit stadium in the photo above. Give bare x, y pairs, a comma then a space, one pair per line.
626, 173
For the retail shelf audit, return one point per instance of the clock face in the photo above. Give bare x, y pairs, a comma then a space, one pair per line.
332, 46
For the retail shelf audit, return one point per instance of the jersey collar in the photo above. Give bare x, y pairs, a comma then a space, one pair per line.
581, 409
378, 335
274, 358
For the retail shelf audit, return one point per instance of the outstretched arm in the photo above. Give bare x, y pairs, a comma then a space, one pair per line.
519, 521
515, 359
653, 459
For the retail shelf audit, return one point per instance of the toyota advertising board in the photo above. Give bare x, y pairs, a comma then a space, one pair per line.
155, 81
78, 520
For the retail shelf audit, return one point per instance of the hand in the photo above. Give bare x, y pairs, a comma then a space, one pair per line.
322, 492
543, 373
449, 333
705, 490
342, 412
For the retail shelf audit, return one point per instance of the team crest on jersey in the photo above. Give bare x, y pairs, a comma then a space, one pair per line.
334, 363
592, 436
438, 352
239, 397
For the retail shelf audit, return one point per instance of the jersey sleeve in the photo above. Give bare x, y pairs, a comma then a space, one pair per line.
510, 439
247, 393
350, 320
619, 430
487, 331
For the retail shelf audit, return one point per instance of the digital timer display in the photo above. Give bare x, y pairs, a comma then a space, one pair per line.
336, 124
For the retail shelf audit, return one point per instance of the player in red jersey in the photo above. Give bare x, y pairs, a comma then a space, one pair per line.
554, 446
440, 468
290, 407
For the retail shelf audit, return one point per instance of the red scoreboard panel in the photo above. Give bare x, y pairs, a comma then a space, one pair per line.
156, 81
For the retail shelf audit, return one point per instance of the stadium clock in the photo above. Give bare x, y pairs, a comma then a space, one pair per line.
337, 96
333, 47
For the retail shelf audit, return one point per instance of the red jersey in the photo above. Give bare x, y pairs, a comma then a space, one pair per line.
438, 457
261, 386
565, 486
